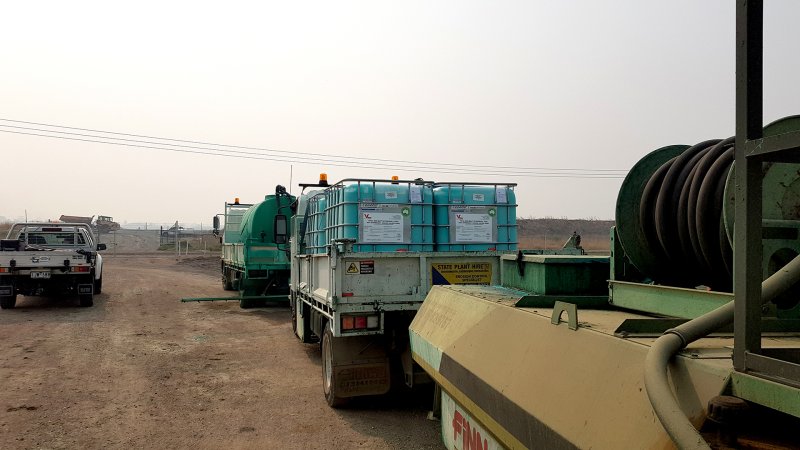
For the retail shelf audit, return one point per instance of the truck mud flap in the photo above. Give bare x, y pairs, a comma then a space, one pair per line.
361, 366
6, 291
362, 379
85, 289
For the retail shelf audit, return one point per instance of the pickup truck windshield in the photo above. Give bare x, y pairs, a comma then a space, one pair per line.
55, 239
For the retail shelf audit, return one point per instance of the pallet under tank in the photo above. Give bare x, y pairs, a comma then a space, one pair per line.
514, 374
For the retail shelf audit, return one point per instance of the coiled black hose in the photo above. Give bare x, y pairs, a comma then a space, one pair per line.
681, 216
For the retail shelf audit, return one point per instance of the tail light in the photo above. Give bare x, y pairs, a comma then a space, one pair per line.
79, 269
360, 322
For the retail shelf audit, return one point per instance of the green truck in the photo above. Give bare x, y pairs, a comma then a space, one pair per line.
255, 246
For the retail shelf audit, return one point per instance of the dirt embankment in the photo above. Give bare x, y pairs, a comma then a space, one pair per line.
553, 233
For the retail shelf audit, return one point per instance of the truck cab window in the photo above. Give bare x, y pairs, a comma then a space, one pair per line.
36, 239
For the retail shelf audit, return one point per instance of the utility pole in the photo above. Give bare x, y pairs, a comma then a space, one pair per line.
177, 242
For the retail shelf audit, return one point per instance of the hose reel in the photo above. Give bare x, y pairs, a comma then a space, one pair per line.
675, 211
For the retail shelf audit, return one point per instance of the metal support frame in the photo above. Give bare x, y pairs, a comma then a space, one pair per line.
752, 150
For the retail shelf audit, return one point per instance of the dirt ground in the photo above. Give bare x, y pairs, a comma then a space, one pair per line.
142, 370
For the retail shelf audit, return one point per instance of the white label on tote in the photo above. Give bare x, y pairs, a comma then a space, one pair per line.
415, 195
500, 194
477, 197
381, 227
473, 227
391, 195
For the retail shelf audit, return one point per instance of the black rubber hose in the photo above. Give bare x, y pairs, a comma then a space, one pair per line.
703, 166
647, 208
680, 214
708, 210
668, 197
692, 266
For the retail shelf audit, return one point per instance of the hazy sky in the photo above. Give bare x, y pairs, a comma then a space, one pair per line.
519, 84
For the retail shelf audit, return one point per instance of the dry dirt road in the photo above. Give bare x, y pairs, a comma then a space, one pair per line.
142, 370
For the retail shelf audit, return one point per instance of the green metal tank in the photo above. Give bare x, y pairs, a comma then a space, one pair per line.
258, 221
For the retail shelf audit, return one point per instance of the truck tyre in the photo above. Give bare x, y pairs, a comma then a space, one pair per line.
98, 285
226, 280
86, 300
246, 303
293, 306
235, 282
328, 375
8, 302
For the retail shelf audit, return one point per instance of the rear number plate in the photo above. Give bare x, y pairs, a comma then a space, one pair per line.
40, 274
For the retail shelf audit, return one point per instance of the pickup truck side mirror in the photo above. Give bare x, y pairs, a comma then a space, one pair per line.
101, 247
281, 229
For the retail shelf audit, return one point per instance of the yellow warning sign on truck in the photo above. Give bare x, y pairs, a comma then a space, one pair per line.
461, 273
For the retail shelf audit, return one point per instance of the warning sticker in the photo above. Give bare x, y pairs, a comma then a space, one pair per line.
366, 267
461, 273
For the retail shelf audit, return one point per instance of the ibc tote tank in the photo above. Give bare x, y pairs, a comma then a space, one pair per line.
316, 236
307, 228
475, 216
382, 215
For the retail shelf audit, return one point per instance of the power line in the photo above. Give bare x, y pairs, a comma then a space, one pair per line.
214, 152
295, 159
422, 169
305, 154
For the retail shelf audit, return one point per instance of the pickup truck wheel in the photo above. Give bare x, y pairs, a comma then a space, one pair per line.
98, 285
8, 302
328, 376
86, 300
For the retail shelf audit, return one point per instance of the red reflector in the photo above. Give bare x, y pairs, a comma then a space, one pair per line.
347, 322
491, 249
401, 250
347, 294
361, 322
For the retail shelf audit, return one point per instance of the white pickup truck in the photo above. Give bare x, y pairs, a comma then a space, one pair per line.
50, 259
